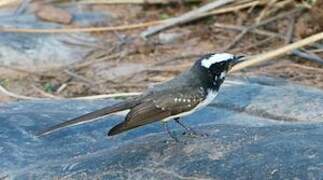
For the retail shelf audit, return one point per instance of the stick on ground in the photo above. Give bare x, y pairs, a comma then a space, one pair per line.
5, 92
17, 96
309, 56
122, 27
278, 52
135, 1
77, 30
190, 16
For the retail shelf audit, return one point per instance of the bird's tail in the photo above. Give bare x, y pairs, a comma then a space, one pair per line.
92, 116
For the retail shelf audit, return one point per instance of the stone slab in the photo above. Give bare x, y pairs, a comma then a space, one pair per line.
258, 128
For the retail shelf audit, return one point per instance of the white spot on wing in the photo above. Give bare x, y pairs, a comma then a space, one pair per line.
209, 98
216, 58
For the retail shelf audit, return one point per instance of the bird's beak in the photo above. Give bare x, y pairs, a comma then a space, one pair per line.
238, 59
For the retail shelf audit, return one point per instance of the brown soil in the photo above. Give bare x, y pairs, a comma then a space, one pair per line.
143, 63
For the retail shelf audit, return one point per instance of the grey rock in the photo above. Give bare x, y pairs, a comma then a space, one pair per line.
82, 17
251, 136
41, 51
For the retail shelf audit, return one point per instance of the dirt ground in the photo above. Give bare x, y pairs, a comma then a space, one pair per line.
130, 64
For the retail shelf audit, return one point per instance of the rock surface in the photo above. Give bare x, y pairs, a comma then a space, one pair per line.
258, 129
46, 50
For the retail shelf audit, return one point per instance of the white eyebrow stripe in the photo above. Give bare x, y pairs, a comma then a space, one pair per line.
216, 58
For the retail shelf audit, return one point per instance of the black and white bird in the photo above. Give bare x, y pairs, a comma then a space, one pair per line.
180, 96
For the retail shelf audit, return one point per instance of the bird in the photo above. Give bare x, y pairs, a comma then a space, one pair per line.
186, 93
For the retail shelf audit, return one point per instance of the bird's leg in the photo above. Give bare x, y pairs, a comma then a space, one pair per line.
187, 128
169, 132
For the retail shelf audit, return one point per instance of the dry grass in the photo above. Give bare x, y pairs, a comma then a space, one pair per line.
177, 55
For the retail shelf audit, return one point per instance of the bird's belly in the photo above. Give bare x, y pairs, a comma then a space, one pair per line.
211, 95
178, 115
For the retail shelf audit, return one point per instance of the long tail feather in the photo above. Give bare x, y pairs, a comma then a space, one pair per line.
92, 116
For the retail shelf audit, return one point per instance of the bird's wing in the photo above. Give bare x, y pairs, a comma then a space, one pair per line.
142, 114
181, 101
158, 108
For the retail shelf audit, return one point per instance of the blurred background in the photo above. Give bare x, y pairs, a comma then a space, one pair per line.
75, 48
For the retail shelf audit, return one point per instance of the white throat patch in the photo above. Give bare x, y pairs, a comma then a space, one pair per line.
216, 58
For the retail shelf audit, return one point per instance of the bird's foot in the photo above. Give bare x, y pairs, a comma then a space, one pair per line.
190, 131
170, 134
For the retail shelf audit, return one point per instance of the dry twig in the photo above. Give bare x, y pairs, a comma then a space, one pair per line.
61, 88
17, 96
278, 52
308, 55
186, 56
134, 1
45, 94
76, 30
303, 54
316, 50
242, 28
291, 28
263, 13
89, 62
8, 2
234, 8
5, 92
244, 32
195, 16
187, 17
319, 70
76, 76
126, 27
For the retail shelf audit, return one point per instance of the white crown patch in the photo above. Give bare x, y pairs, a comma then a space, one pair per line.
216, 58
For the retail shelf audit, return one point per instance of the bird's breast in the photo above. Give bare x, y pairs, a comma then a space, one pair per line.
211, 94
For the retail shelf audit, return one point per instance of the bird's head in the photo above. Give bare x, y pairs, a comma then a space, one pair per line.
214, 67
